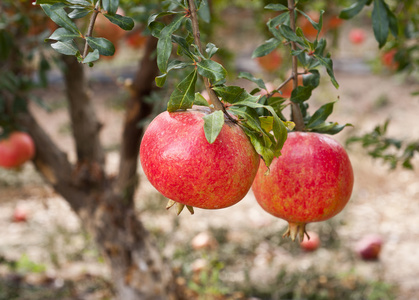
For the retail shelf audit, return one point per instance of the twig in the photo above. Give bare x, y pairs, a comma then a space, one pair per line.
297, 116
90, 28
218, 105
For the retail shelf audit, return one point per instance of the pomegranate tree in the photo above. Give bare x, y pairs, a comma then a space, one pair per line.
16, 149
312, 181
182, 165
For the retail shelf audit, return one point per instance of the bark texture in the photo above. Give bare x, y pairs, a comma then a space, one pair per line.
104, 204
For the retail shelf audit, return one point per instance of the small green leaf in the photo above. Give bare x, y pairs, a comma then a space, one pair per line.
161, 80
155, 16
211, 49
79, 13
111, 6
125, 23
212, 70
62, 34
320, 115
380, 22
200, 100
233, 94
184, 94
91, 57
204, 11
276, 7
312, 79
104, 46
213, 123
301, 94
353, 10
66, 48
328, 64
289, 34
248, 76
164, 45
266, 48
60, 17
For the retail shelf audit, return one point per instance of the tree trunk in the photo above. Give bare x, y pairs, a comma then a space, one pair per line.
104, 204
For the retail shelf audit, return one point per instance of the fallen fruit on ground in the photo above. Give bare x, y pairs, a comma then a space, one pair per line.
369, 247
16, 149
312, 243
183, 166
312, 181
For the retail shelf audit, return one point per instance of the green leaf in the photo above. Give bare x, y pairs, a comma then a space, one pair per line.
91, 57
204, 11
212, 70
161, 79
213, 123
266, 47
301, 94
62, 34
125, 23
329, 128
259, 143
289, 34
211, 49
104, 46
279, 129
328, 64
164, 45
184, 94
60, 17
320, 115
312, 79
66, 48
276, 7
79, 13
380, 22
37, 2
248, 76
233, 94
184, 46
200, 100
111, 6
155, 16
353, 10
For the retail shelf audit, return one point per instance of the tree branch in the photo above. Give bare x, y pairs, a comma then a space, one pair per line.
218, 105
137, 109
90, 28
297, 116
82, 114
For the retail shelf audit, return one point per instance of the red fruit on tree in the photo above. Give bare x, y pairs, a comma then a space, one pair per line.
182, 165
369, 247
312, 181
312, 243
357, 36
271, 61
16, 149
388, 59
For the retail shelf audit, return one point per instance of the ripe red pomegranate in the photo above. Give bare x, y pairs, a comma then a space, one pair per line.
312, 181
16, 149
271, 61
181, 164
388, 60
312, 243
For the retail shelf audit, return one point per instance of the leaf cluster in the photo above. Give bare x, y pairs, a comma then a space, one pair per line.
391, 150
65, 39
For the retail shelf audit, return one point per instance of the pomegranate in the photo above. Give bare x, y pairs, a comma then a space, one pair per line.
16, 149
312, 181
357, 36
271, 61
182, 165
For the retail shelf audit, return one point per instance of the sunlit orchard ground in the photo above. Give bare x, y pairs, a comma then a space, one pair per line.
50, 257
